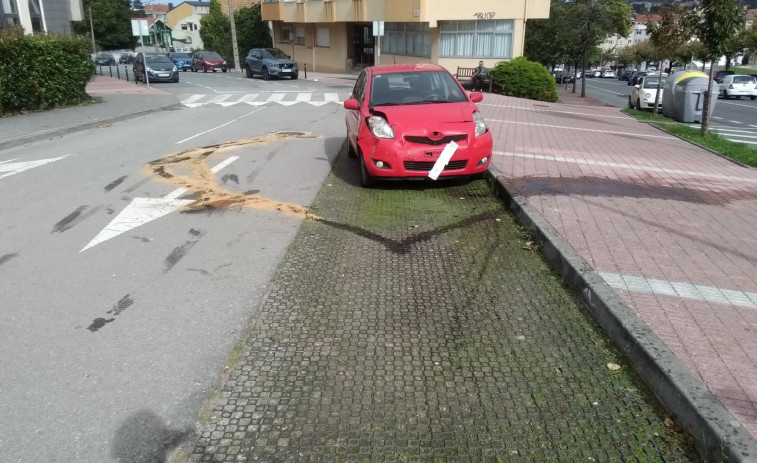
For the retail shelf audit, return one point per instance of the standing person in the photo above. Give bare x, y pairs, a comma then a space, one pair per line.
479, 76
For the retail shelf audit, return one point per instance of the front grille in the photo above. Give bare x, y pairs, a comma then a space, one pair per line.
286, 66
442, 141
427, 166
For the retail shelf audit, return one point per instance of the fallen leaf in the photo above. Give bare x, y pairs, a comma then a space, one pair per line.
613, 366
498, 219
529, 246
669, 423
102, 126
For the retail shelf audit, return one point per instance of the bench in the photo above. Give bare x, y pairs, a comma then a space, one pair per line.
465, 76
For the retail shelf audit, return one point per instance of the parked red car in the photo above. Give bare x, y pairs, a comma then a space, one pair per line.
208, 61
401, 117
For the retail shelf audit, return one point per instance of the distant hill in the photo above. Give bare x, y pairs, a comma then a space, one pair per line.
651, 7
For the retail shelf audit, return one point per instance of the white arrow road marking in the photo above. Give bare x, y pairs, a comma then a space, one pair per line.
143, 210
13, 168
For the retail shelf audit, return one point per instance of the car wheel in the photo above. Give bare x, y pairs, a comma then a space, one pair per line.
247, 72
176, 80
753, 97
738, 97
630, 103
266, 75
193, 68
295, 76
725, 95
204, 69
638, 104
366, 180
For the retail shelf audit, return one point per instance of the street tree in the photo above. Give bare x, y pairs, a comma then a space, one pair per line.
546, 38
668, 37
252, 31
137, 9
715, 22
215, 31
111, 22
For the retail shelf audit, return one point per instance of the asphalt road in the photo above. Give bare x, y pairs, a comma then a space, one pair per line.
119, 305
733, 119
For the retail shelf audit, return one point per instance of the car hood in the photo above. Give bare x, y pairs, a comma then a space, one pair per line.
182, 60
427, 117
213, 60
278, 61
161, 66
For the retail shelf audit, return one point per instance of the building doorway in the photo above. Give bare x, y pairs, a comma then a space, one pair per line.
362, 46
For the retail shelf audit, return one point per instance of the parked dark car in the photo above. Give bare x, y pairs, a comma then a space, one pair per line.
626, 74
208, 61
105, 59
182, 61
159, 68
126, 58
632, 80
270, 62
720, 74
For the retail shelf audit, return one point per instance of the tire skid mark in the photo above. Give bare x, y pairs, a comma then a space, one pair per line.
180, 251
122, 304
115, 183
202, 181
6, 257
80, 214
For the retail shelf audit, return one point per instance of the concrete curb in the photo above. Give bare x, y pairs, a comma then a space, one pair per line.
60, 131
718, 436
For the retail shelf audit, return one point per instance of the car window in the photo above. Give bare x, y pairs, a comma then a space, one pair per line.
358, 92
415, 87
274, 53
155, 59
211, 55
179, 55
651, 82
743, 79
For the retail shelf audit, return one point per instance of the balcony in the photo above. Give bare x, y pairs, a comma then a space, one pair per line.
279, 10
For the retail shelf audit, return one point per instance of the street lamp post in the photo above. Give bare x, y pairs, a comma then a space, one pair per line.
92, 33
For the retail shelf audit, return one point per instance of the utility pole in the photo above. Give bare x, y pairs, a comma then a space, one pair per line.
92, 33
234, 45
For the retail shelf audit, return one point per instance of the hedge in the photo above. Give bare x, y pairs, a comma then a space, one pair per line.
526, 79
42, 72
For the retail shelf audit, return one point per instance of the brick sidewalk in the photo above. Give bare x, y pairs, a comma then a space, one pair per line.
671, 227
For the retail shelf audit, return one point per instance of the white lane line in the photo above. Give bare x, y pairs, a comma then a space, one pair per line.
680, 289
737, 104
180, 191
219, 126
664, 137
752, 125
715, 117
628, 166
12, 168
735, 122
9, 160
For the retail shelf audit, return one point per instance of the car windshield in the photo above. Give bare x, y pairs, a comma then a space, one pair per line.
156, 59
415, 87
651, 82
179, 55
211, 55
274, 53
743, 80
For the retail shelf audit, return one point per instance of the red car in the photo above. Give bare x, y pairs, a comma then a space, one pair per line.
402, 118
208, 61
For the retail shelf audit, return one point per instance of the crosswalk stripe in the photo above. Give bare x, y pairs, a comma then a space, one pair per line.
192, 99
333, 97
302, 97
276, 97
220, 98
247, 98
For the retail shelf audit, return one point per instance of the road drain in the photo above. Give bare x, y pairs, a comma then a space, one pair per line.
188, 169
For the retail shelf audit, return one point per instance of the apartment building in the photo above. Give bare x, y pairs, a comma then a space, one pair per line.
184, 21
41, 17
337, 35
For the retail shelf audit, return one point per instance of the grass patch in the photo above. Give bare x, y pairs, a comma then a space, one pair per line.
739, 70
740, 152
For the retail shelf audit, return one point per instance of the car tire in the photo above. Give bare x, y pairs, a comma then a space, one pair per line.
638, 104
266, 74
295, 76
738, 97
193, 68
248, 72
223, 70
725, 95
204, 69
753, 97
366, 180
630, 103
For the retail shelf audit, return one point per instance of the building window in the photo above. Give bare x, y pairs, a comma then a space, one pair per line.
300, 35
286, 34
185, 27
322, 37
412, 39
8, 14
479, 39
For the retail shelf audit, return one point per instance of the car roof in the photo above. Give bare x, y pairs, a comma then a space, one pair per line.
392, 68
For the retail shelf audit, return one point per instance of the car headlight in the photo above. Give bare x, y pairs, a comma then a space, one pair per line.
149, 69
174, 68
224, 63
480, 123
380, 128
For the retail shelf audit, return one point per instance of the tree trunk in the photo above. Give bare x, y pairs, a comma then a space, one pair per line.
727, 62
583, 76
706, 106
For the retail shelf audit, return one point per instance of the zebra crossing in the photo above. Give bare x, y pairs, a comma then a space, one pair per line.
261, 99
747, 134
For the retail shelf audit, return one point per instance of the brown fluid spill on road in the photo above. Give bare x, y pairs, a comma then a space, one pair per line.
189, 169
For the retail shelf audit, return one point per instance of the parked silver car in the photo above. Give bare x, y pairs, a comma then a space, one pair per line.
270, 62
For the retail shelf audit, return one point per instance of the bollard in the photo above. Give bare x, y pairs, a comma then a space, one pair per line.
110, 69
126, 70
101, 69
306, 70
118, 72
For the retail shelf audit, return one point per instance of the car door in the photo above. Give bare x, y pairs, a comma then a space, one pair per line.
257, 61
353, 116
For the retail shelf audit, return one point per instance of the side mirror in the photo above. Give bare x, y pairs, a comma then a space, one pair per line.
351, 103
475, 97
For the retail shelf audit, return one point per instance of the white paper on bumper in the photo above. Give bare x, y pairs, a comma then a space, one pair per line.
443, 160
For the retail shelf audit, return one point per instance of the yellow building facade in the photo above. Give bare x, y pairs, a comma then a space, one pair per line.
338, 35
